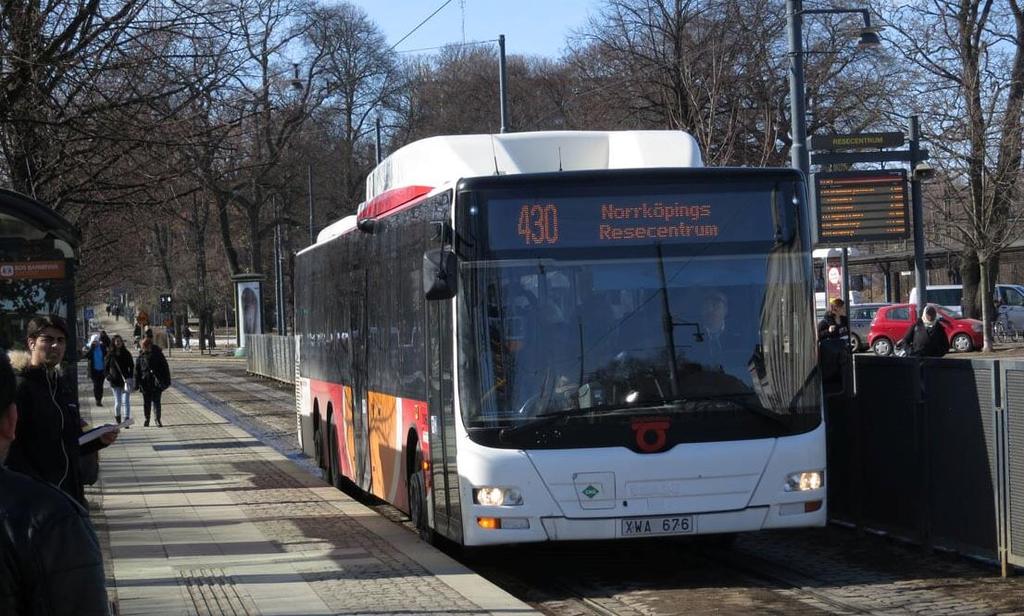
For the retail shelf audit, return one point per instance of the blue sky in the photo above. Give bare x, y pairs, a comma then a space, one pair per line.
531, 27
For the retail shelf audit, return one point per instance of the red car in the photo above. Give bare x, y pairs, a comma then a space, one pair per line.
891, 323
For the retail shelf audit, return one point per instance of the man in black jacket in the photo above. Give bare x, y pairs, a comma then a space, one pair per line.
835, 324
50, 424
50, 559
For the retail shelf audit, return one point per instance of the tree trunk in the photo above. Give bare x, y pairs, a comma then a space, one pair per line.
226, 239
986, 306
971, 276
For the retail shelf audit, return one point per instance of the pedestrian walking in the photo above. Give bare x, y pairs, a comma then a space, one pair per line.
50, 558
137, 335
121, 376
152, 377
105, 339
49, 423
186, 337
96, 353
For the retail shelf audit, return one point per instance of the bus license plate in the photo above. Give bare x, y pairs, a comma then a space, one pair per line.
669, 525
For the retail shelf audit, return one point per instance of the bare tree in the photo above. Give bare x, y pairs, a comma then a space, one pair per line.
969, 87
717, 70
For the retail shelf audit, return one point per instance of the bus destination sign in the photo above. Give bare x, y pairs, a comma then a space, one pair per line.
577, 222
862, 206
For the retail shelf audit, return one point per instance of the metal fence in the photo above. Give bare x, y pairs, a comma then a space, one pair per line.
271, 356
933, 451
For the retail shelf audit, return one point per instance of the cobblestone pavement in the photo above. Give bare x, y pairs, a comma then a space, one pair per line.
831, 570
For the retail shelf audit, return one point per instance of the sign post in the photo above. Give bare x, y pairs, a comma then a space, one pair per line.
866, 206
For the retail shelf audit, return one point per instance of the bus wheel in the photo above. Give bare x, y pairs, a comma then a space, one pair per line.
418, 506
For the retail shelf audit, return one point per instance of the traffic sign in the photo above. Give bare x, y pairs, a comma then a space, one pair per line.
857, 141
862, 206
88, 313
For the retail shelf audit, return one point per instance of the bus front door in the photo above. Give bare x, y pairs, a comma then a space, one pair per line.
446, 505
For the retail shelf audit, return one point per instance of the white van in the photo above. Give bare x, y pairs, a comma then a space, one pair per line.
950, 297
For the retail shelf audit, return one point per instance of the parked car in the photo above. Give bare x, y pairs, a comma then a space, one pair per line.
1011, 301
950, 296
861, 316
891, 323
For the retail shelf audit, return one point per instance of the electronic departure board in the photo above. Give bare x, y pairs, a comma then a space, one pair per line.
862, 206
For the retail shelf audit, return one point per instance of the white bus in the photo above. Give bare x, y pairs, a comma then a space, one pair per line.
567, 335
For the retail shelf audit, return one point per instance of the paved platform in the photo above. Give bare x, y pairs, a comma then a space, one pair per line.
200, 517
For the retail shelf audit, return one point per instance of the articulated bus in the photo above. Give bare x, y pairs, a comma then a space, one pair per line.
567, 335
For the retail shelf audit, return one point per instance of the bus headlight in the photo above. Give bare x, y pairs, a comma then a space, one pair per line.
807, 480
494, 497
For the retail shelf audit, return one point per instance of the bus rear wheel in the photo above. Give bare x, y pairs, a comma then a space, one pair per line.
418, 505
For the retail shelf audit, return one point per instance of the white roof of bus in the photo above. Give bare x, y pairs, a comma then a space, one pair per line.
437, 161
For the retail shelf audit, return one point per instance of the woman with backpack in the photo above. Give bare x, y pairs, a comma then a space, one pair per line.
120, 375
152, 377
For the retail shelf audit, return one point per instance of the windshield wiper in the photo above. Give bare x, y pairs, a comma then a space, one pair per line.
742, 400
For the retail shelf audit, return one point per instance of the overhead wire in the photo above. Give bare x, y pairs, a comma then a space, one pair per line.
418, 26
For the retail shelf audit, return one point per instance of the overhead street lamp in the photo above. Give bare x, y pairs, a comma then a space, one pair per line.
799, 155
798, 112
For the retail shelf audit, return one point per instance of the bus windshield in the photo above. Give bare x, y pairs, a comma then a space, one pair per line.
716, 333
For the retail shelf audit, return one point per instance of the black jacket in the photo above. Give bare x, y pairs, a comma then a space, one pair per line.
151, 371
925, 341
842, 327
50, 559
49, 425
119, 366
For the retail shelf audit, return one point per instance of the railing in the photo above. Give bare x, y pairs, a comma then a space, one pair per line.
933, 451
271, 356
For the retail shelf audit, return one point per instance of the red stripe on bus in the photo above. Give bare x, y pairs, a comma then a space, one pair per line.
392, 200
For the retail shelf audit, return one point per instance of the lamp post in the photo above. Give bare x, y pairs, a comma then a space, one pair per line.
799, 156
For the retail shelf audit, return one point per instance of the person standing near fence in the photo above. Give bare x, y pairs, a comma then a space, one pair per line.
926, 337
120, 374
152, 377
186, 337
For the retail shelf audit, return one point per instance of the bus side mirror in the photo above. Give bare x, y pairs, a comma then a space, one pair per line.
439, 274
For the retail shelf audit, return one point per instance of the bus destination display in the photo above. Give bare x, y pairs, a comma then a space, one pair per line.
571, 222
862, 206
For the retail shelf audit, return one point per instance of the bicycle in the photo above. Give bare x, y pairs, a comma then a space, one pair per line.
1003, 329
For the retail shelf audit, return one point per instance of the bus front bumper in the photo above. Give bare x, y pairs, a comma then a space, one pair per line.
788, 515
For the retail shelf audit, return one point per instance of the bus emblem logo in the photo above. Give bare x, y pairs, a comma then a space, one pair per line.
590, 491
651, 433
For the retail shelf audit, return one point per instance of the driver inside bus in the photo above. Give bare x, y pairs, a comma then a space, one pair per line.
717, 348
544, 353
